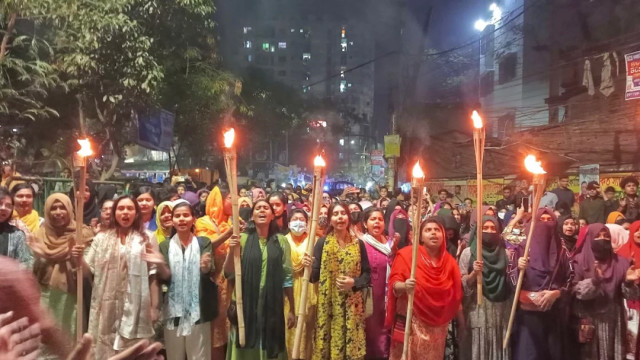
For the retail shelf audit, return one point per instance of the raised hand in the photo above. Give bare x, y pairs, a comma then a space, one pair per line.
205, 263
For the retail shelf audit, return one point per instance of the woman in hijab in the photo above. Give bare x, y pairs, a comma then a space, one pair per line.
616, 217
437, 298
245, 202
537, 334
486, 322
598, 291
23, 195
266, 280
258, 194
164, 222
619, 236
13, 241
452, 228
91, 209
53, 266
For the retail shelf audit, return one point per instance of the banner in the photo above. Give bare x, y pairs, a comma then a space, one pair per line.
588, 173
392, 145
155, 129
632, 61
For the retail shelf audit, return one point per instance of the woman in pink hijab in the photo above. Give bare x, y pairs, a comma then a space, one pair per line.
258, 194
619, 236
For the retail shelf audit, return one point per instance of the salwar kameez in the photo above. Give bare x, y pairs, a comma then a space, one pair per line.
425, 342
376, 334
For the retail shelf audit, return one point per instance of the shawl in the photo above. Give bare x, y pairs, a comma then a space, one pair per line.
161, 233
613, 216
438, 292
494, 275
215, 222
268, 332
544, 252
255, 193
613, 272
569, 241
55, 269
619, 236
184, 291
376, 244
31, 220
631, 251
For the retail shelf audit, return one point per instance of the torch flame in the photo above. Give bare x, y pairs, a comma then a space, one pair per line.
319, 161
85, 147
417, 171
533, 165
477, 120
229, 136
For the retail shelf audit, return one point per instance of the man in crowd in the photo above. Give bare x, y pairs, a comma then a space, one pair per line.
458, 199
442, 197
566, 197
507, 202
630, 204
592, 207
610, 201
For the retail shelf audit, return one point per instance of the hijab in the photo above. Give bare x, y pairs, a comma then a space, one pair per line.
544, 252
619, 236
494, 256
215, 222
191, 197
450, 223
399, 225
571, 241
245, 199
631, 251
391, 207
256, 192
91, 210
613, 216
162, 234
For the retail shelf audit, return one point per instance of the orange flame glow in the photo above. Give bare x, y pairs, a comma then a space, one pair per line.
533, 165
85, 147
229, 136
417, 172
477, 120
319, 161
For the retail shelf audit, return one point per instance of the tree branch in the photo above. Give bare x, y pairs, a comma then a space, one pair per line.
7, 34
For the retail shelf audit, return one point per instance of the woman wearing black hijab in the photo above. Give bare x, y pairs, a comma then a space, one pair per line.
91, 209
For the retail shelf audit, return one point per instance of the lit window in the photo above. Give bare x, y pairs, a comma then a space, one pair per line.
353, 142
349, 85
293, 30
341, 142
343, 33
249, 58
282, 45
342, 74
306, 57
273, 48
341, 156
301, 31
247, 29
307, 76
343, 86
247, 44
343, 44
265, 46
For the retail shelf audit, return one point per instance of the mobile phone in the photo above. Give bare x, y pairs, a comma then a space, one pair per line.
525, 204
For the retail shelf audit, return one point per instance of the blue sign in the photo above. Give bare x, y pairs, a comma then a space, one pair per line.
155, 129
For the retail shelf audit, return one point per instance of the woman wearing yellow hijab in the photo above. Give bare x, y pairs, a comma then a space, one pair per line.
164, 220
23, 195
215, 225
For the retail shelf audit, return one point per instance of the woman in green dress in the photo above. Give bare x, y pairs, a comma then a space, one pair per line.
266, 280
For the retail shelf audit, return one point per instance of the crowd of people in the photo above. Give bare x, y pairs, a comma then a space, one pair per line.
158, 274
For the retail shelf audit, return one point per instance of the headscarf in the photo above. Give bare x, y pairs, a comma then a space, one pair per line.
257, 191
544, 252
399, 225
613, 272
569, 240
245, 199
191, 197
90, 209
201, 191
391, 207
106, 192
631, 251
438, 291
450, 223
31, 220
619, 236
215, 222
613, 216
55, 270
494, 274
162, 234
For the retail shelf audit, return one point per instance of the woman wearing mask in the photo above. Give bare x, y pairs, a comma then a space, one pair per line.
437, 298
487, 322
52, 266
341, 266
278, 202
266, 280
185, 267
245, 202
323, 221
146, 202
598, 289
379, 255
619, 236
355, 212
164, 222
298, 241
13, 241
124, 300
23, 195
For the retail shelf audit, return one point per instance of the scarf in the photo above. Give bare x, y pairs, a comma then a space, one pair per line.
215, 222
31, 220
494, 275
184, 291
619, 236
376, 244
438, 292
613, 216
269, 331
56, 268
91, 209
570, 242
161, 233
631, 250
450, 223
245, 199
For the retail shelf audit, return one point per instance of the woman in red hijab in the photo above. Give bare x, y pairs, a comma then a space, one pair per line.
437, 292
631, 251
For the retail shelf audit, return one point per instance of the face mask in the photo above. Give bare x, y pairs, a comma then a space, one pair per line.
601, 249
491, 240
354, 217
298, 227
323, 221
501, 215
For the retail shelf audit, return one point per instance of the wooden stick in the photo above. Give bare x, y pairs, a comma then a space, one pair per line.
230, 167
539, 183
478, 142
80, 241
318, 183
416, 188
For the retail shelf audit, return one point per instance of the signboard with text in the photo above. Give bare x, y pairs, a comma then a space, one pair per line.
632, 62
392, 145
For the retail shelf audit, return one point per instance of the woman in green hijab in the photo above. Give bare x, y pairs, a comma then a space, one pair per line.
486, 323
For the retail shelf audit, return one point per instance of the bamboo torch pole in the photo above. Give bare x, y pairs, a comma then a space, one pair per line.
478, 144
230, 167
81, 161
318, 183
539, 182
417, 187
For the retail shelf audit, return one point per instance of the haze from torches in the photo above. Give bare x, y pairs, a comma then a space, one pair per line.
229, 136
85, 148
477, 120
533, 165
